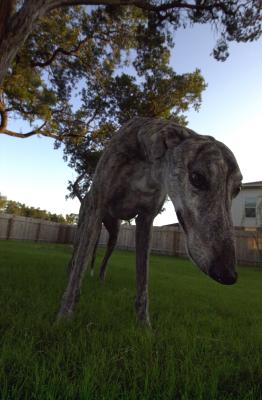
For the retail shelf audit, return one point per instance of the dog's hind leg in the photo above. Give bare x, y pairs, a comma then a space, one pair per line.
87, 235
112, 225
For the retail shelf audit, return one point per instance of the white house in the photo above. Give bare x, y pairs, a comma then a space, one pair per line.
247, 206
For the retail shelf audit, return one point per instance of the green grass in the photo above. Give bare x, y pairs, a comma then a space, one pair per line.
206, 341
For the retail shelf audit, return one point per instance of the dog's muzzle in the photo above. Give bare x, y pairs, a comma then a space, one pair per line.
223, 276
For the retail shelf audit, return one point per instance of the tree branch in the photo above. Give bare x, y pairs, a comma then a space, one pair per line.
143, 4
91, 119
3, 125
65, 3
36, 131
61, 50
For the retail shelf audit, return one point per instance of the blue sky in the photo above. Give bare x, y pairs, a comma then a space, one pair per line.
33, 173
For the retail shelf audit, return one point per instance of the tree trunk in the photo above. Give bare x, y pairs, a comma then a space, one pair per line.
18, 27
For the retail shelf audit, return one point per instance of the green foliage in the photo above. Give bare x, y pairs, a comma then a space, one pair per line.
205, 342
86, 70
3, 201
16, 208
71, 218
71, 73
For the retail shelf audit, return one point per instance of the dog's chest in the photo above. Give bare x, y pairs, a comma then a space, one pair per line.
143, 191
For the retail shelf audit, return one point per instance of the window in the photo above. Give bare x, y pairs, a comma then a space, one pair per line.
250, 208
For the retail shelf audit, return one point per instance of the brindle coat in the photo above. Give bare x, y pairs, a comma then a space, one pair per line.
146, 161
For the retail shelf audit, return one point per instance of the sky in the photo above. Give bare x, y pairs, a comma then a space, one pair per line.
32, 172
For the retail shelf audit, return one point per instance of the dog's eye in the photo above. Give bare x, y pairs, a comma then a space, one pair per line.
199, 181
237, 190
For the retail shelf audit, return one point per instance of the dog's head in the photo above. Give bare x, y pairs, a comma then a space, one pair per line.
202, 178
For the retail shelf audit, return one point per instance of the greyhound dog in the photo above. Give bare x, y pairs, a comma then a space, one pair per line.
147, 160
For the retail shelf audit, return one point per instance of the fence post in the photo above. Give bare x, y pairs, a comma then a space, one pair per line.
67, 234
9, 227
61, 234
38, 230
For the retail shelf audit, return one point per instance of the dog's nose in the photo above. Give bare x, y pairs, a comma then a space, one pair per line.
225, 276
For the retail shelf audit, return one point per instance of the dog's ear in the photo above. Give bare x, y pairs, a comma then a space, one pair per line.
155, 142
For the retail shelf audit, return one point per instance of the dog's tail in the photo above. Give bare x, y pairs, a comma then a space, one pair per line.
88, 232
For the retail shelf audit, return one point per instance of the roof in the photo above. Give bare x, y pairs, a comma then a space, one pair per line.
252, 185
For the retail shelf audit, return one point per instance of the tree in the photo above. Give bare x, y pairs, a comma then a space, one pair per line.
237, 20
16, 208
71, 218
93, 47
162, 93
24, 19
3, 201
49, 50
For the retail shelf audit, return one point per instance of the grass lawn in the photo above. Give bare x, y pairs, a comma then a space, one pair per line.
206, 341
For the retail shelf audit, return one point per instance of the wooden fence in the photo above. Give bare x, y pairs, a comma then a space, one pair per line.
169, 241
22, 228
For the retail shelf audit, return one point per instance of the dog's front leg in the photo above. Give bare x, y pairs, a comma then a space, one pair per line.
87, 236
143, 241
